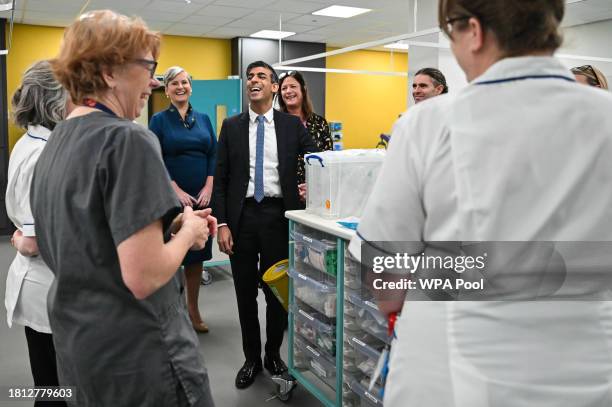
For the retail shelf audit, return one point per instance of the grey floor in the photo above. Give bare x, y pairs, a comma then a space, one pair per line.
221, 347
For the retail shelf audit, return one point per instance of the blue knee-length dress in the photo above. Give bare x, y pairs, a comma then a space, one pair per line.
189, 150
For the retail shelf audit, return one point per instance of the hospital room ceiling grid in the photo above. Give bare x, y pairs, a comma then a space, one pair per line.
240, 18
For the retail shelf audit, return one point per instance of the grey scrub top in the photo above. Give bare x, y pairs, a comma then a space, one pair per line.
99, 180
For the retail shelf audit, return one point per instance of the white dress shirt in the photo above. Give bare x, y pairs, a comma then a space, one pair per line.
523, 153
271, 179
29, 278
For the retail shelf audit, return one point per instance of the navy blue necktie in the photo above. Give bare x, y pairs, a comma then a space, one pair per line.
259, 159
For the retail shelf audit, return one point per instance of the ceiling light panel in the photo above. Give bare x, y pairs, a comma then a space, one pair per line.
272, 34
341, 11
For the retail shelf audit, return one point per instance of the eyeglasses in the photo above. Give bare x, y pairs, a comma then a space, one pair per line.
588, 72
450, 21
151, 65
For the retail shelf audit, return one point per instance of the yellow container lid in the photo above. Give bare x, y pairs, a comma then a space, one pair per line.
276, 272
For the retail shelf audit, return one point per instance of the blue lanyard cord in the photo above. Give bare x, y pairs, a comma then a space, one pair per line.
104, 108
521, 78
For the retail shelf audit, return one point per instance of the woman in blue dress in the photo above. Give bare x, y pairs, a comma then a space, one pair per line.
189, 147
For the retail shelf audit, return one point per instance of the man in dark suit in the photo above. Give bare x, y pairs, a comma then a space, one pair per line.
255, 183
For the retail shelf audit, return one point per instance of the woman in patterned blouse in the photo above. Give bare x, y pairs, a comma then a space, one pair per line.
294, 99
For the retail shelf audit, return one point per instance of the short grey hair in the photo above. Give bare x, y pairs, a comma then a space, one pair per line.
40, 100
172, 72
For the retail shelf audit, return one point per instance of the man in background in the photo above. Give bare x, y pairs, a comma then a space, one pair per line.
428, 82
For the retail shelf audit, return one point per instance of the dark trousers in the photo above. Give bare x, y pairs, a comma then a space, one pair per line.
42, 363
262, 238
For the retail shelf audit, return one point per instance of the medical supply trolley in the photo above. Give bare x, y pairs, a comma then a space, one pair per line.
335, 335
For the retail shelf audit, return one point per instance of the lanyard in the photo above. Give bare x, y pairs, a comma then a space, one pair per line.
97, 105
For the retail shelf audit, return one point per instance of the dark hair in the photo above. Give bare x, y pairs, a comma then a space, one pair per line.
436, 77
262, 64
307, 109
520, 26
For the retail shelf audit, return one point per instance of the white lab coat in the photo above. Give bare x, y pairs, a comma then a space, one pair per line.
29, 278
511, 157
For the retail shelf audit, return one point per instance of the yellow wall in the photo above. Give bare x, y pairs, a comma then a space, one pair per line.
367, 105
203, 58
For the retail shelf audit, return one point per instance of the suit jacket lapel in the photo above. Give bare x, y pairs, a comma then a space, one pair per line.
244, 140
281, 141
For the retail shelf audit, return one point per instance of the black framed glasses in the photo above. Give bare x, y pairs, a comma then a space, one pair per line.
151, 65
450, 21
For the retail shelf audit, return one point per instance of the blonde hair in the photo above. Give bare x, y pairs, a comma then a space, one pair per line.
593, 75
96, 41
172, 72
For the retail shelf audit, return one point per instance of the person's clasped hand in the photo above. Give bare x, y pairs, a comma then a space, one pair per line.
211, 220
197, 225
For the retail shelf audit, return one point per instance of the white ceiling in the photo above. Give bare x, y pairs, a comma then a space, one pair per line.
236, 18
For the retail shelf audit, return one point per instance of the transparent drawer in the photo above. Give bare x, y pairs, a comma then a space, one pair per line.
349, 362
319, 364
368, 398
319, 253
313, 327
368, 317
351, 266
350, 310
349, 397
362, 336
366, 356
318, 295
300, 360
351, 323
351, 282
352, 274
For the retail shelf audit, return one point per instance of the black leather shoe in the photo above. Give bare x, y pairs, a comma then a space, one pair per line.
274, 364
246, 374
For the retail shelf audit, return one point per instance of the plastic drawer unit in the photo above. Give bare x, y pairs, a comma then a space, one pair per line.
319, 253
318, 295
316, 362
316, 329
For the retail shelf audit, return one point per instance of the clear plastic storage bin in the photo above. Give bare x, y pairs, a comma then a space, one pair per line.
318, 253
352, 273
300, 361
317, 363
368, 398
349, 397
366, 356
315, 329
318, 295
368, 317
339, 182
